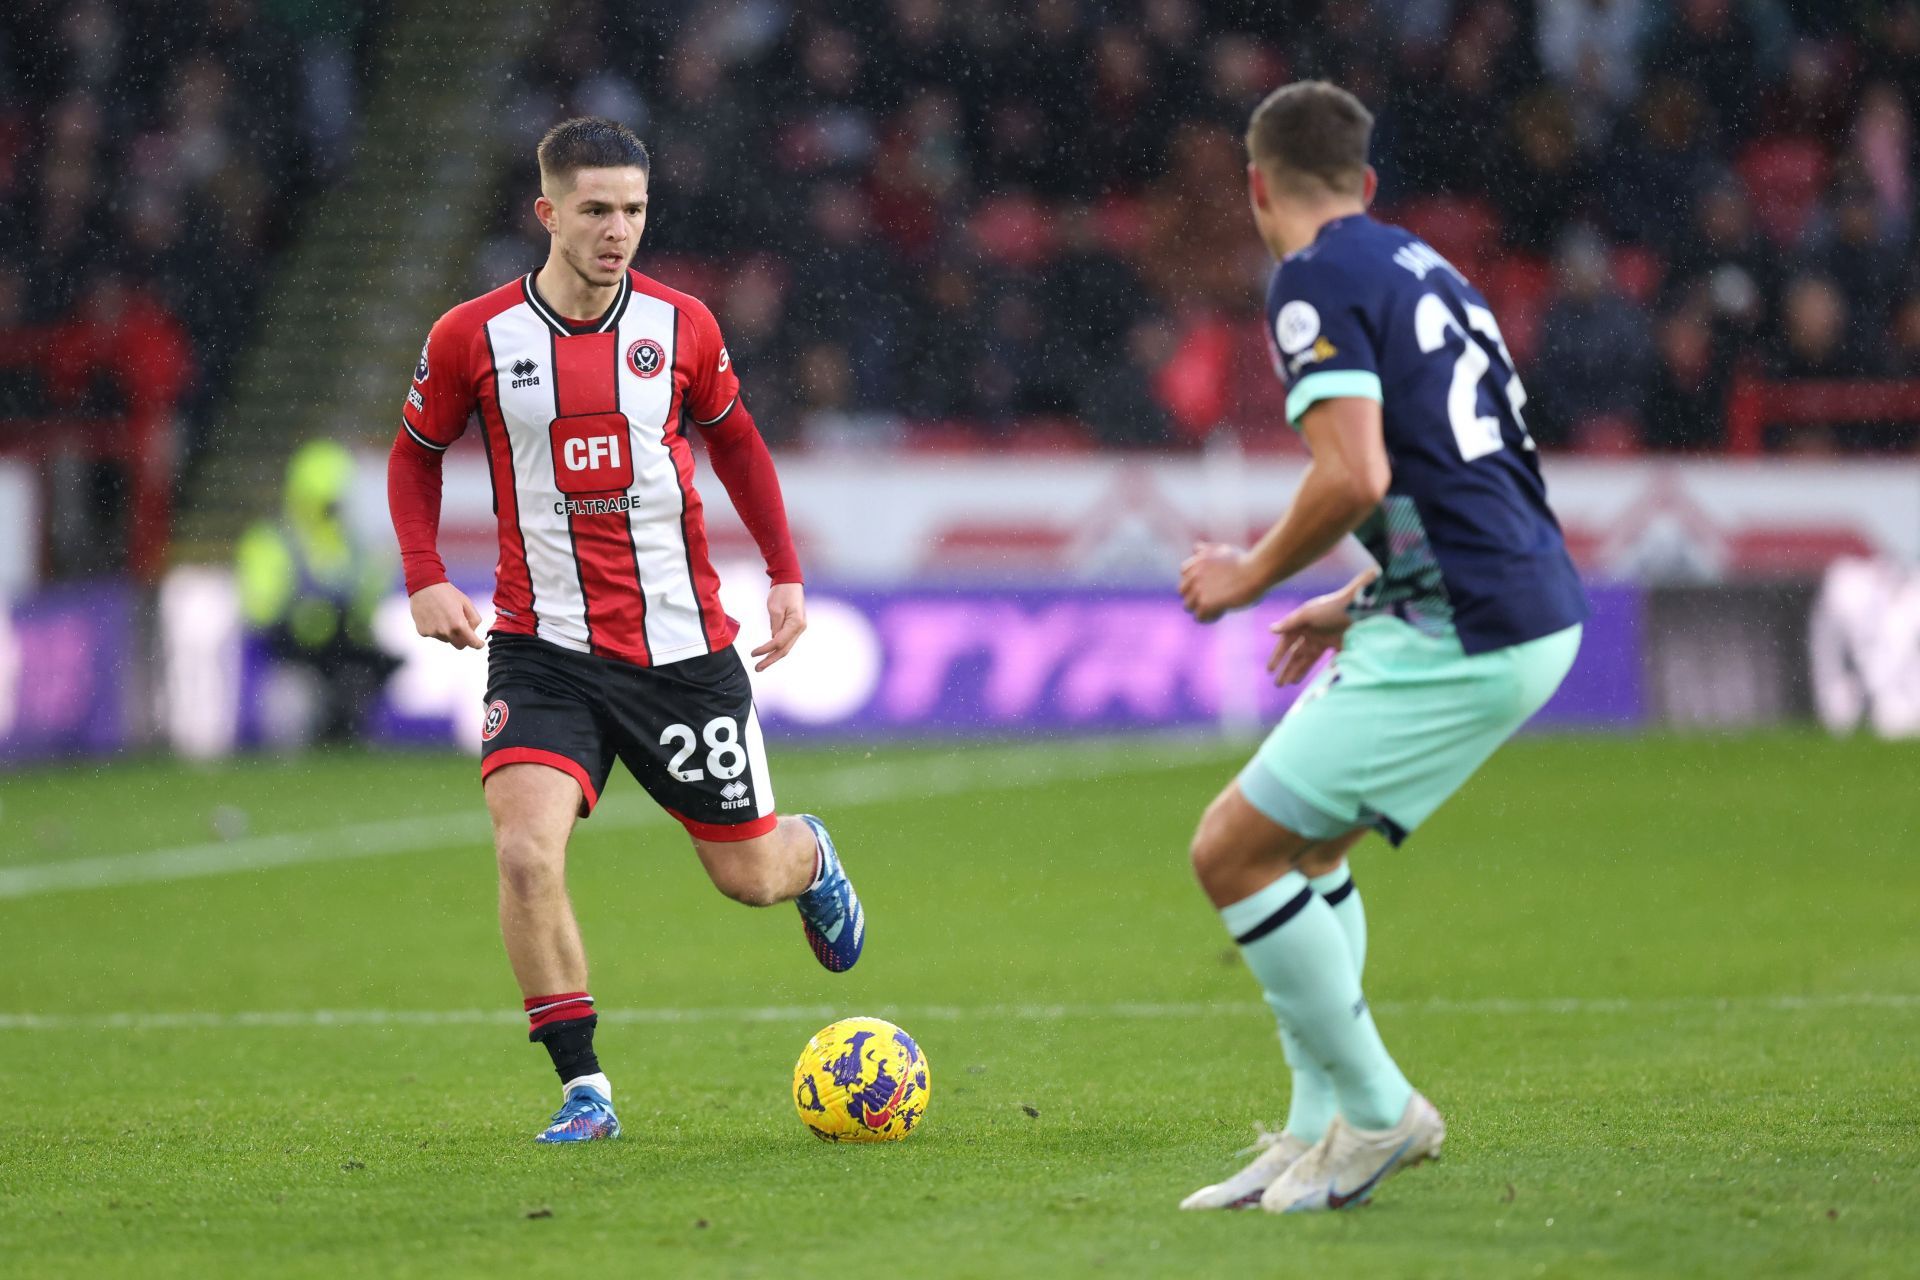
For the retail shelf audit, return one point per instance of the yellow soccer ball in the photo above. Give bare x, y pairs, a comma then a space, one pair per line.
861, 1080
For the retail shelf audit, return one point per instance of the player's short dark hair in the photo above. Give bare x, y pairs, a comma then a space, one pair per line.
1309, 133
588, 142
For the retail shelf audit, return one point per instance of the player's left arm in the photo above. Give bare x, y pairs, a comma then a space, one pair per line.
739, 457
1345, 481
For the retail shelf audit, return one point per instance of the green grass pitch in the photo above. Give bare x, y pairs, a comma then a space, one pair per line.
1666, 990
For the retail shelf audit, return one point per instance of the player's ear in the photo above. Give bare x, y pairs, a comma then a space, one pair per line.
1257, 186
543, 209
1371, 187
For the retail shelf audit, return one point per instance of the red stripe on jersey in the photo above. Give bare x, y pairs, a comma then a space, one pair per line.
714, 623
590, 437
514, 606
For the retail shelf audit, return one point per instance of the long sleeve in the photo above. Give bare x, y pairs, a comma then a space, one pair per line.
413, 501
741, 461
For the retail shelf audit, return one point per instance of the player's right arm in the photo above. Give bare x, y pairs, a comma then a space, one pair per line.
438, 405
1344, 482
1325, 355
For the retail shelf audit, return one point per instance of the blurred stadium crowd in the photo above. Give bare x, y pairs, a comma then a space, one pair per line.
153, 155
955, 225
1028, 218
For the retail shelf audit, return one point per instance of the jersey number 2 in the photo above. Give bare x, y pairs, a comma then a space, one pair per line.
1477, 435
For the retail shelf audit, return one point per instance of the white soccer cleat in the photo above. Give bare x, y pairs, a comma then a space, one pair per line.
1345, 1166
1277, 1151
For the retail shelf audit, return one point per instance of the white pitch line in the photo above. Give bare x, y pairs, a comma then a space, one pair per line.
205, 1020
1011, 769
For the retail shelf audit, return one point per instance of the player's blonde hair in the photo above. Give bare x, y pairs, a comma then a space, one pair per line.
1311, 137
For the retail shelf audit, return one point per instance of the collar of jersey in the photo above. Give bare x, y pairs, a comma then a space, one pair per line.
1319, 235
566, 328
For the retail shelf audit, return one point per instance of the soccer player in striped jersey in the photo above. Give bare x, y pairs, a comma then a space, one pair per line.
585, 380
1398, 378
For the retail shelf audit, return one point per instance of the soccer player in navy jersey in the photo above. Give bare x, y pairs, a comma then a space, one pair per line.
1398, 379
585, 380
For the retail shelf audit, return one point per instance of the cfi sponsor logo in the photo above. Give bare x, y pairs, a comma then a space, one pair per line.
420, 370
496, 720
646, 357
725, 360
418, 401
525, 373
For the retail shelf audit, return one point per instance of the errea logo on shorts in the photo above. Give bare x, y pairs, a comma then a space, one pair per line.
592, 453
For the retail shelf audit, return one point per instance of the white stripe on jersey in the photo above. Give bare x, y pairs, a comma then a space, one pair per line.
659, 539
421, 440
707, 422
757, 772
515, 334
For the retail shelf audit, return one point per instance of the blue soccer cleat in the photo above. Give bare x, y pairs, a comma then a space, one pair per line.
835, 922
583, 1117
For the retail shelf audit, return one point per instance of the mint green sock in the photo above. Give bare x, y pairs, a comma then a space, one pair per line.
1343, 895
1312, 1104
1301, 957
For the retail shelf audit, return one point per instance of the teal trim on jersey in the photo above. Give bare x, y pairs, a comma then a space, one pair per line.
1326, 385
1399, 721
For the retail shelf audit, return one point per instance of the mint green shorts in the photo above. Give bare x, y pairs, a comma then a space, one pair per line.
1383, 736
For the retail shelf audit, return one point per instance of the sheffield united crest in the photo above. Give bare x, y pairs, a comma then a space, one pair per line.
646, 357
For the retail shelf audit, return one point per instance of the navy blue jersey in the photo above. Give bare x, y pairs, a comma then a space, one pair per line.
1464, 537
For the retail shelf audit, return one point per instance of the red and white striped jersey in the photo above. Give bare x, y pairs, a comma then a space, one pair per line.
603, 547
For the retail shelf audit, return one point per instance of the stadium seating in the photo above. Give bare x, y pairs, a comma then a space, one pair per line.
1785, 178
990, 161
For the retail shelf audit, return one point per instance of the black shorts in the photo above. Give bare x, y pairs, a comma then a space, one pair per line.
686, 731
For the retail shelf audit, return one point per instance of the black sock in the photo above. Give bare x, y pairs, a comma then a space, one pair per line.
570, 1045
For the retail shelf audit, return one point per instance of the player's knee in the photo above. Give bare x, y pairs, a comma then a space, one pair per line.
754, 891
1323, 858
754, 886
528, 869
746, 871
1209, 851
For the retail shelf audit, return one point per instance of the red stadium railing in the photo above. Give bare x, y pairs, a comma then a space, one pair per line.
1757, 403
142, 442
